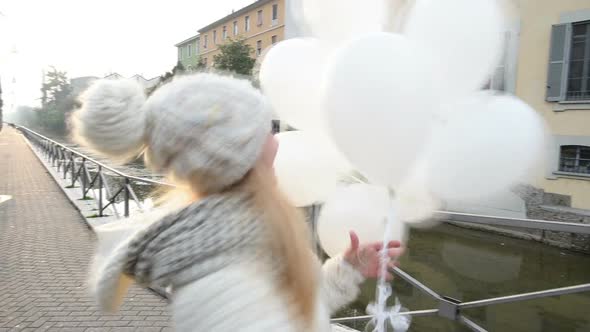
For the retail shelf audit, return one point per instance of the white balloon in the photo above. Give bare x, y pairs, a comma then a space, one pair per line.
465, 35
414, 203
290, 77
335, 21
488, 144
308, 168
378, 97
361, 208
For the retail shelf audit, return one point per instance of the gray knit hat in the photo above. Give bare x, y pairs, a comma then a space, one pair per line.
202, 127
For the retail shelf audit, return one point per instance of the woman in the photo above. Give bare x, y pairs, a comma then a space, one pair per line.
238, 255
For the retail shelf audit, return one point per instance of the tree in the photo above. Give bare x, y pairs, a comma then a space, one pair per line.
235, 56
178, 69
56, 91
56, 102
200, 64
168, 76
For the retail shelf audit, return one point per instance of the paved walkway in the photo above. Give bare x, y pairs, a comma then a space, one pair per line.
45, 249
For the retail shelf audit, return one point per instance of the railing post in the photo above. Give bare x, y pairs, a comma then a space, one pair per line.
65, 165
50, 154
73, 169
83, 177
127, 184
100, 184
53, 155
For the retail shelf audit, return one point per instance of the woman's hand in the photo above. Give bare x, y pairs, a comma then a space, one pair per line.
365, 258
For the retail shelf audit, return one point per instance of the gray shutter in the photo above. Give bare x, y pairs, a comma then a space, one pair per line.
558, 62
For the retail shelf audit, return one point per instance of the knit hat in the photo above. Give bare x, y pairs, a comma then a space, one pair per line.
202, 127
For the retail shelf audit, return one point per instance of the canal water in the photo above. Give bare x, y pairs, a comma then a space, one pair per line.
471, 265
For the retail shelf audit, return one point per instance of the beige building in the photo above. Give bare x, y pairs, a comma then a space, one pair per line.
547, 64
261, 24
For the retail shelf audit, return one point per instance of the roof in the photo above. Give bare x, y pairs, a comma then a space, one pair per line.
187, 40
113, 76
235, 14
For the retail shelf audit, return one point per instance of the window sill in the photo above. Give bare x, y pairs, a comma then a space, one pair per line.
579, 176
581, 105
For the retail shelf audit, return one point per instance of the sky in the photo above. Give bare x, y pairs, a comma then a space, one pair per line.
94, 38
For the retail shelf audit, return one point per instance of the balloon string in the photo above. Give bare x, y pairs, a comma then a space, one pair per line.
379, 310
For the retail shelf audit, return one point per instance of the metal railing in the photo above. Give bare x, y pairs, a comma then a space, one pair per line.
75, 165
91, 176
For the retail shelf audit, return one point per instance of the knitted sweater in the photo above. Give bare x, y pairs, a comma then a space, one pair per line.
211, 253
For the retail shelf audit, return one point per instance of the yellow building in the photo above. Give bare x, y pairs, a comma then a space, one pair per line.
261, 24
547, 64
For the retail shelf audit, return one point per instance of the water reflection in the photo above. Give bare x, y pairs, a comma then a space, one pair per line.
471, 265
490, 266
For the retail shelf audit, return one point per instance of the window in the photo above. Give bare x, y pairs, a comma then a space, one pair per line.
275, 15
215, 37
189, 50
578, 78
273, 39
569, 62
259, 47
498, 78
574, 159
259, 21
247, 23
224, 36
205, 41
235, 28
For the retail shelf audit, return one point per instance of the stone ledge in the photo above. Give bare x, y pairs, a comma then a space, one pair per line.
565, 209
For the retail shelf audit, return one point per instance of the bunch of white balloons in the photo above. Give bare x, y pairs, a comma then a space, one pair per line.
404, 108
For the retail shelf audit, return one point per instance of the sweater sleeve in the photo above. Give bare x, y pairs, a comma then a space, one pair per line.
107, 282
340, 283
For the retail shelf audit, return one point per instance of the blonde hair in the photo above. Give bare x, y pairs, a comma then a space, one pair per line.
290, 240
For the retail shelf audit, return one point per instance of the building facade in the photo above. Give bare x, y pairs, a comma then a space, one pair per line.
188, 52
261, 25
547, 64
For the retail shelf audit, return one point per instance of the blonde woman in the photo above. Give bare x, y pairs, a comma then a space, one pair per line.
238, 255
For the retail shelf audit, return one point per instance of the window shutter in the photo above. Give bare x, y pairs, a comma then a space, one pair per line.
558, 62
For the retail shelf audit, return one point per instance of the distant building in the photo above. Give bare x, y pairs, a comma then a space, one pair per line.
147, 84
80, 84
188, 52
262, 24
113, 76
